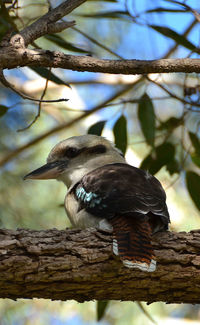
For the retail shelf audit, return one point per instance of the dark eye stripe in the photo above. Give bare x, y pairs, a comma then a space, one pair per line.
71, 152
100, 148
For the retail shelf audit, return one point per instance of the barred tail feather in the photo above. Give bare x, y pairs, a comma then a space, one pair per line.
132, 242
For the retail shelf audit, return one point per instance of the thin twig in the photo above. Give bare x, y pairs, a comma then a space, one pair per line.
144, 141
13, 5
173, 182
74, 110
39, 106
147, 314
8, 85
174, 47
11, 155
172, 94
188, 8
135, 101
98, 43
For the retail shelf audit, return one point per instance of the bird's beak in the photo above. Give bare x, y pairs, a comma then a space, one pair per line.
51, 170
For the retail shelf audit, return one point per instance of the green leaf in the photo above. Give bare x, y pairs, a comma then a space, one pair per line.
3, 31
171, 123
97, 128
196, 159
64, 44
180, 39
4, 22
146, 117
173, 167
193, 186
120, 134
107, 14
101, 308
195, 142
45, 73
163, 9
147, 164
3, 110
163, 155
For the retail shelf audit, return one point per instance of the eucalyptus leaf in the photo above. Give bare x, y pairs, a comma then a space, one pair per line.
162, 155
171, 123
101, 308
173, 167
3, 110
196, 160
107, 14
120, 133
45, 73
193, 186
178, 38
163, 9
146, 117
97, 128
58, 40
195, 142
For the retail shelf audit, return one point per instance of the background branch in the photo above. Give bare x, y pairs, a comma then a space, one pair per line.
65, 125
24, 96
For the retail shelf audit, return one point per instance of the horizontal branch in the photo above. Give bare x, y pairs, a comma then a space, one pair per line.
18, 56
80, 265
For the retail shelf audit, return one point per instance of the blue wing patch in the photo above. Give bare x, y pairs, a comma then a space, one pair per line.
89, 198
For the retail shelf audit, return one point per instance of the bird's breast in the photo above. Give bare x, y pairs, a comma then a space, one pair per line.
81, 218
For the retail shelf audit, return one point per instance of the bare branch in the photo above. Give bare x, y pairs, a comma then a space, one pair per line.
44, 24
18, 56
59, 27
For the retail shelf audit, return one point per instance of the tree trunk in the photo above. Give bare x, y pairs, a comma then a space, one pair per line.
80, 265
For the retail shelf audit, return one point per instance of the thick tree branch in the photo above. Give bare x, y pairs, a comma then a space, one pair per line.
45, 24
80, 265
19, 56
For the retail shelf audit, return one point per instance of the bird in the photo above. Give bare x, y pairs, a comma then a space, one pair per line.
105, 192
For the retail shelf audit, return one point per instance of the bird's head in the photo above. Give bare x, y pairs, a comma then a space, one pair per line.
72, 158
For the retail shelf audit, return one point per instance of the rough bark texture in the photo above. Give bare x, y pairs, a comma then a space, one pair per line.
15, 53
46, 23
77, 264
19, 56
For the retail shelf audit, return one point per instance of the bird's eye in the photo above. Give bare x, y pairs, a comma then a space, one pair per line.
71, 152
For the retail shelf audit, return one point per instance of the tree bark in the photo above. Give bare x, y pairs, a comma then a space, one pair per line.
80, 265
15, 52
17, 55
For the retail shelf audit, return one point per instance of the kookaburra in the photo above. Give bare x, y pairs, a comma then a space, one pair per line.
107, 193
